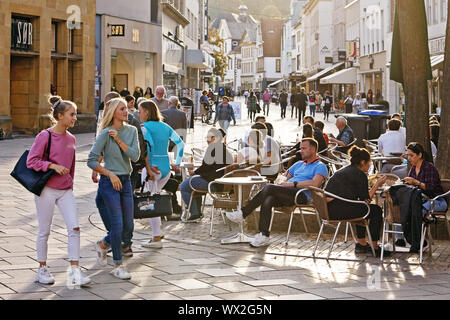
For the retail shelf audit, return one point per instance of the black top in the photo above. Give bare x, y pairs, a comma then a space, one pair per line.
301, 100
349, 183
211, 164
318, 136
283, 98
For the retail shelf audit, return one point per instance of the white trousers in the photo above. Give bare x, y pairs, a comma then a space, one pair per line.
45, 205
153, 187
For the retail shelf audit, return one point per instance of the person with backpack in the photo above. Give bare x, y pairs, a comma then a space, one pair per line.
58, 190
224, 114
312, 104
328, 99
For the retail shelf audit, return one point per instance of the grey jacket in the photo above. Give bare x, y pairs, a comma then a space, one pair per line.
176, 119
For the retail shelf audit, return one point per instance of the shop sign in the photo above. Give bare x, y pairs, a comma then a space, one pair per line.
21, 33
328, 59
117, 30
342, 55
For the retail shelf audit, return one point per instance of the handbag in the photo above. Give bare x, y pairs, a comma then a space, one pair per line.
152, 206
33, 181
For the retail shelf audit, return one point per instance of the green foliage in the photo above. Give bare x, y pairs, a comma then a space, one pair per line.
221, 59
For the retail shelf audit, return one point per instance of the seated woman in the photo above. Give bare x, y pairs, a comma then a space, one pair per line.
424, 175
216, 157
271, 157
254, 152
351, 183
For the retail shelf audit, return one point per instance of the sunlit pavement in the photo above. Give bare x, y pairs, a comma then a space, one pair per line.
193, 265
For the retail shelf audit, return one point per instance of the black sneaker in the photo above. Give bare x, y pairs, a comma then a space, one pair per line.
362, 249
414, 250
193, 219
176, 209
400, 243
378, 252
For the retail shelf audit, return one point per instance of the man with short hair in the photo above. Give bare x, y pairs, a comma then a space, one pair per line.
266, 101
283, 103
345, 136
318, 135
161, 102
176, 119
399, 118
302, 101
307, 173
391, 143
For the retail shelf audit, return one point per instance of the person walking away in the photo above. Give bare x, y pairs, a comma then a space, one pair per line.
357, 104
327, 107
266, 101
58, 190
348, 102
312, 103
252, 106
118, 144
302, 101
158, 166
283, 103
319, 100
293, 102
364, 103
224, 114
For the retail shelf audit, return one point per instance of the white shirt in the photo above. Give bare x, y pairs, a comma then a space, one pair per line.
403, 131
391, 142
248, 154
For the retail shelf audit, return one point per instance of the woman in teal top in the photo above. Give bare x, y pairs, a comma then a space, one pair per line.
158, 134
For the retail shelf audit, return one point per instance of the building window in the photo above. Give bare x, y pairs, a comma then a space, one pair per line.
238, 64
54, 36
298, 62
444, 8
71, 32
278, 66
154, 11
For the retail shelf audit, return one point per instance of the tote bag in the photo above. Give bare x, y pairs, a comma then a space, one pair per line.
33, 181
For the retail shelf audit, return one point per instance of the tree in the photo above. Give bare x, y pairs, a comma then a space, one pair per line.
443, 156
410, 65
221, 59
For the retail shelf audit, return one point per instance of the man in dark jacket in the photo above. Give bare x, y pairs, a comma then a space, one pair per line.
283, 103
176, 119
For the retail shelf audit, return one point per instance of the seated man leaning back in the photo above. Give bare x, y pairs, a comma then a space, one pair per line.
309, 172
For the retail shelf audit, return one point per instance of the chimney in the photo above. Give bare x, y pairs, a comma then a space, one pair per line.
243, 12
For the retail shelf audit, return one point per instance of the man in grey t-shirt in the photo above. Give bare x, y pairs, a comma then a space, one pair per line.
161, 102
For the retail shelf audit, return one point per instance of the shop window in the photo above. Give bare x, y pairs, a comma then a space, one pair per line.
70, 48
278, 66
154, 10
54, 36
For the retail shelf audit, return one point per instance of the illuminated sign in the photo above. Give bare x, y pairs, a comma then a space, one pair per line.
117, 30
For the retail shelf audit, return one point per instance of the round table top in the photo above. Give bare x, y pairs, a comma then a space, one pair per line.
189, 165
241, 180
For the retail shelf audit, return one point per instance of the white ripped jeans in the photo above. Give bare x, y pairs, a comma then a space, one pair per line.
45, 205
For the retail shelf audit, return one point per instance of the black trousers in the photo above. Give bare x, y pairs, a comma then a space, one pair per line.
301, 115
292, 111
326, 112
348, 108
272, 196
283, 110
339, 210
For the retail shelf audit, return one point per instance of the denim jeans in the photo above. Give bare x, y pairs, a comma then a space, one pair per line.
224, 124
440, 205
312, 110
198, 183
266, 104
119, 212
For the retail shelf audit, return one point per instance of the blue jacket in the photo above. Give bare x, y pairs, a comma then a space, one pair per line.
230, 113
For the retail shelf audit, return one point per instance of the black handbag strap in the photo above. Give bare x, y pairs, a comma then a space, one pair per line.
49, 143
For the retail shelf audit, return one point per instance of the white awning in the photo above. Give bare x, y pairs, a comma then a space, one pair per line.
275, 83
435, 60
346, 76
324, 72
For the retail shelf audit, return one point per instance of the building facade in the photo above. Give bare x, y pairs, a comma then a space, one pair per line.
45, 50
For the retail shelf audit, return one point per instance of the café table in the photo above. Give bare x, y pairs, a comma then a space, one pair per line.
240, 182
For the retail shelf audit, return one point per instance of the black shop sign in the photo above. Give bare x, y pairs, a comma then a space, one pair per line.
21, 33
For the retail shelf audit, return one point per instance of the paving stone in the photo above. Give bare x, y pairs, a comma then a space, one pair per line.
304, 296
244, 295
436, 289
235, 286
391, 295
270, 282
198, 292
329, 293
158, 296
29, 296
117, 294
190, 284
281, 290
202, 298
4, 289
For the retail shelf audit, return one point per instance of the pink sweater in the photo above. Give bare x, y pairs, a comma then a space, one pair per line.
62, 152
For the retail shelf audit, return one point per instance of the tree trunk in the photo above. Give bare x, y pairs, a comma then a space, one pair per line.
443, 157
414, 52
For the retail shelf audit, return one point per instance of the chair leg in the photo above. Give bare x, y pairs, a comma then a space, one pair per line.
383, 241
346, 232
212, 222
352, 232
447, 223
430, 250
304, 222
318, 238
370, 239
290, 225
334, 239
203, 204
271, 221
422, 239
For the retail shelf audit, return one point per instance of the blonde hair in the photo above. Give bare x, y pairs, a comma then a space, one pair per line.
59, 106
110, 109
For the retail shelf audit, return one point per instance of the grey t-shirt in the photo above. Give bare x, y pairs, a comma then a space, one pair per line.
162, 104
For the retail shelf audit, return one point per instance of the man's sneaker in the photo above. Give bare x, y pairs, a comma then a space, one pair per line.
121, 273
152, 244
236, 216
44, 276
378, 252
77, 278
260, 241
176, 209
193, 219
127, 252
101, 254
400, 243
425, 247
362, 249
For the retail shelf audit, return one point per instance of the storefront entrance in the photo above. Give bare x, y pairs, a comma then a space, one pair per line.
24, 88
131, 69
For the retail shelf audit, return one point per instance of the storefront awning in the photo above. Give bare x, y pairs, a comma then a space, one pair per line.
346, 76
275, 83
324, 72
199, 59
435, 60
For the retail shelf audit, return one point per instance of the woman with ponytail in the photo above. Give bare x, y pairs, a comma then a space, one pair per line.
59, 189
351, 183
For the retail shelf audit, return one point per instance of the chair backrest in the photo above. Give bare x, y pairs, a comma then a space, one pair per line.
320, 202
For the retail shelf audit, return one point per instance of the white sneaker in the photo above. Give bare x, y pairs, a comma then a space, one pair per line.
152, 244
236, 216
121, 273
101, 254
44, 276
77, 278
260, 241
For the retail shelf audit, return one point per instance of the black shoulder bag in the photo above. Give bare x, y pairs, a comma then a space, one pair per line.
33, 181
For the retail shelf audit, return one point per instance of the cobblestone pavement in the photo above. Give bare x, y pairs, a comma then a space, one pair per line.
193, 265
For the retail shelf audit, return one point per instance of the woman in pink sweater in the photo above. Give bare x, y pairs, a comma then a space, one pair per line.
58, 190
